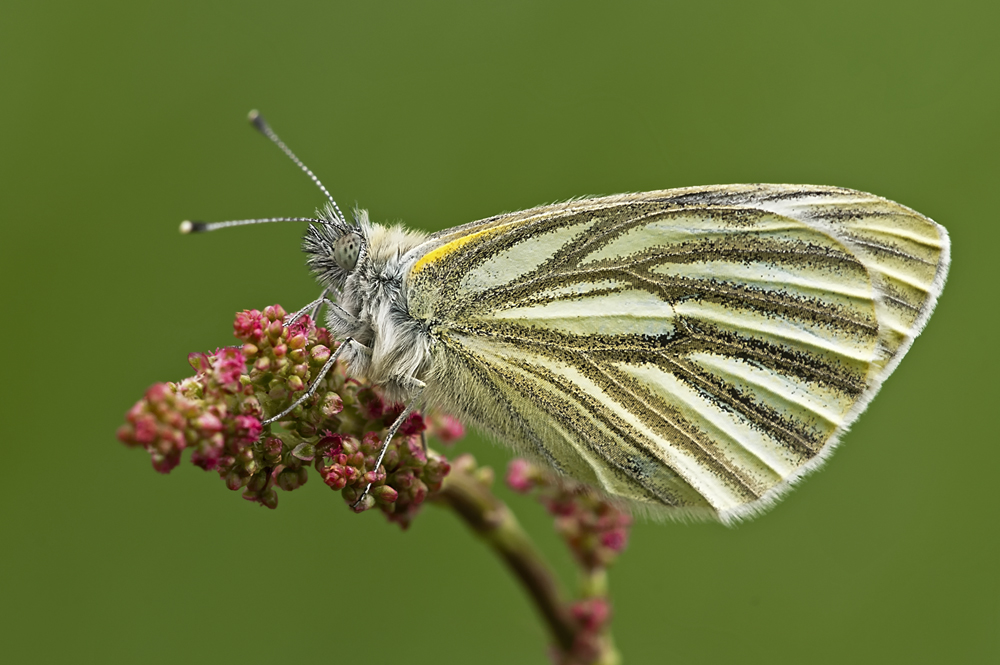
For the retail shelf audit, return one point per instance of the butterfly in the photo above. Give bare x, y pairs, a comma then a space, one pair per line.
693, 352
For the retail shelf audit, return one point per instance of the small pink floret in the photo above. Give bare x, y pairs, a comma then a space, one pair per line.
519, 476
615, 540
208, 422
450, 430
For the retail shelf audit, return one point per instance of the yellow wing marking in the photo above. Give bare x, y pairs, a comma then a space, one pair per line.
455, 245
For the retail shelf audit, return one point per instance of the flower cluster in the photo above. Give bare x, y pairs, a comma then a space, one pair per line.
214, 413
408, 474
218, 413
594, 528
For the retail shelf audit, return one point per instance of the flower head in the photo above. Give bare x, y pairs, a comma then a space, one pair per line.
339, 430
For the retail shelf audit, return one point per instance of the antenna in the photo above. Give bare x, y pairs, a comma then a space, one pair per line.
188, 226
258, 121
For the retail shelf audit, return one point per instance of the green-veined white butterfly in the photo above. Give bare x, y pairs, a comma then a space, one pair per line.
693, 351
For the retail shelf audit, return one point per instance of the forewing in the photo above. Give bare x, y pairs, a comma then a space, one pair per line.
697, 349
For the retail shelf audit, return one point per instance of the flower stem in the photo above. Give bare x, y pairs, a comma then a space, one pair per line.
466, 490
493, 521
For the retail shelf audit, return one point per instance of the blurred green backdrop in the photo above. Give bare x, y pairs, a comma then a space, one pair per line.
120, 119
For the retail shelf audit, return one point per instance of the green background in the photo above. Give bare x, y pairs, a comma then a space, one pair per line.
120, 119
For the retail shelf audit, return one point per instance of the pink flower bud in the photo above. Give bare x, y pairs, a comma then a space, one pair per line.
330, 443
126, 434
229, 365
418, 492
385, 494
519, 476
366, 504
248, 326
592, 613
349, 445
257, 482
448, 429
269, 498
334, 477
291, 479
414, 450
615, 540
146, 429
435, 471
248, 428
165, 463
207, 460
402, 480
320, 354
413, 425
272, 449
234, 481
371, 443
377, 476
391, 459
332, 405
208, 422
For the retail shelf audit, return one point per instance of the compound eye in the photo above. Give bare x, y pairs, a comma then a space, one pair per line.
346, 251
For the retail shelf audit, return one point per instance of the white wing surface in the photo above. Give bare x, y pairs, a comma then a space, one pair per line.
695, 350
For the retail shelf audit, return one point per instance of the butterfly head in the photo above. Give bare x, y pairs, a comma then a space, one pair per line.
336, 248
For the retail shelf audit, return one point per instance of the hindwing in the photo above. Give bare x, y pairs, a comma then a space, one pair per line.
696, 349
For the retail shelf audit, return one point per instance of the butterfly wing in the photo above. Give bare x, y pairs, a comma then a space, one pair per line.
696, 349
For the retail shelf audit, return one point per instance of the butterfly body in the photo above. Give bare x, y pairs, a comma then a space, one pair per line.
690, 351
392, 347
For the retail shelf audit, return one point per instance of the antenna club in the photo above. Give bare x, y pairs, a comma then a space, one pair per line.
257, 120
187, 226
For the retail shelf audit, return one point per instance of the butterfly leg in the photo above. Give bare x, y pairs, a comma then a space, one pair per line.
315, 384
420, 385
317, 304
